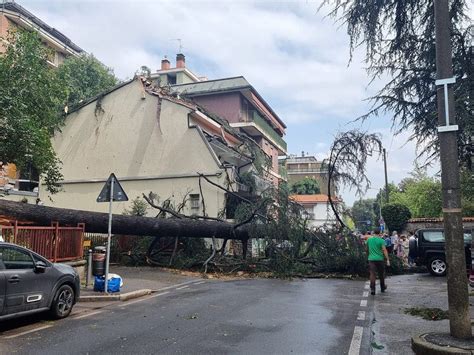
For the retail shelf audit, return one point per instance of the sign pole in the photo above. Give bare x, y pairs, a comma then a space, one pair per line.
109, 236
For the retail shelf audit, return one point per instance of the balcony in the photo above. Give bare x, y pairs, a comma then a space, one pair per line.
258, 126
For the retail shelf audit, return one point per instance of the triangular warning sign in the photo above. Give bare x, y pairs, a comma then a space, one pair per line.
118, 193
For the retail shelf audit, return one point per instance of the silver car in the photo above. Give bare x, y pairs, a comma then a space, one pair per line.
29, 284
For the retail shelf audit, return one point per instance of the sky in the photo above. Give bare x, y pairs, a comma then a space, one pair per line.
295, 56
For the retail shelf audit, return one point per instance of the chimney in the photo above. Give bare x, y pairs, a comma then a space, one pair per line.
180, 61
165, 64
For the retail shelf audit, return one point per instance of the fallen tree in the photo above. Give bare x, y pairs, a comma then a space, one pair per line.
96, 222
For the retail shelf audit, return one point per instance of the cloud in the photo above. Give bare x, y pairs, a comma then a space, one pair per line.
288, 51
295, 57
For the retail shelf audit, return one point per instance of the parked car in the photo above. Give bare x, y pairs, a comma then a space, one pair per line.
30, 283
429, 249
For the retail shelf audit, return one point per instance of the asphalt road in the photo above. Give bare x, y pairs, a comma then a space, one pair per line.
256, 316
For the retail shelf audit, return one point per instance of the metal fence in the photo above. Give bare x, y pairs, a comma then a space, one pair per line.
54, 243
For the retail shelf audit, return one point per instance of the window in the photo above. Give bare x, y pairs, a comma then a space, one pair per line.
14, 259
194, 199
438, 236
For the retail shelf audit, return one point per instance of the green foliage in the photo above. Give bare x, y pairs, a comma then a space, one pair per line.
248, 179
31, 99
341, 253
395, 216
307, 186
399, 41
85, 77
428, 313
363, 211
139, 208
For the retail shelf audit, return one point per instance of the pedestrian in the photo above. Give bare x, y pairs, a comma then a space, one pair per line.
377, 253
388, 243
394, 239
411, 249
405, 246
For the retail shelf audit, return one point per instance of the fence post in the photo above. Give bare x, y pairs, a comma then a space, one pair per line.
15, 231
82, 226
56, 240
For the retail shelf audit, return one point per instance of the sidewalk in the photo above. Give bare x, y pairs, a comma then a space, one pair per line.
391, 327
138, 281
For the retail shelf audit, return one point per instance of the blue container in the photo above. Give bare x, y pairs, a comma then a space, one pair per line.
113, 285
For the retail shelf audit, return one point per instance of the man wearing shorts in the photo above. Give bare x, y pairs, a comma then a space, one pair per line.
377, 254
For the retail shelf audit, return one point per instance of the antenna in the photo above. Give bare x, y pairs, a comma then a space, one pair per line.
180, 49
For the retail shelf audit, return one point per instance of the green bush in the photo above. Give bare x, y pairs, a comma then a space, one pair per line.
395, 216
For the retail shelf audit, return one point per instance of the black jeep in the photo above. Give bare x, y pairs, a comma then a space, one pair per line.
428, 249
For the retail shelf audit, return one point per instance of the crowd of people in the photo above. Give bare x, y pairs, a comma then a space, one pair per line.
398, 245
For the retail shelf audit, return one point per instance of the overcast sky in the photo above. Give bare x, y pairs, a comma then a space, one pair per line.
294, 56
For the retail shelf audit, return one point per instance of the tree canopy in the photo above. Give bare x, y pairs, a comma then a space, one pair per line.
399, 41
307, 186
395, 216
85, 77
31, 97
34, 97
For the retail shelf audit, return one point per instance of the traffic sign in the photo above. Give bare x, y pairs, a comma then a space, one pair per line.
118, 192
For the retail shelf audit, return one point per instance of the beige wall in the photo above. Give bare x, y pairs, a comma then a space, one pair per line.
128, 139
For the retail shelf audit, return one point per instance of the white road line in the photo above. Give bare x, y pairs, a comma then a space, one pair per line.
361, 315
86, 315
143, 299
363, 303
200, 282
177, 285
365, 294
356, 341
182, 287
367, 286
28, 332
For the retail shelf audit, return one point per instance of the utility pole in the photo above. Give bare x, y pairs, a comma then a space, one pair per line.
387, 193
458, 298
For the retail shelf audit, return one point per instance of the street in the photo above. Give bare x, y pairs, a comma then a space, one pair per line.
255, 316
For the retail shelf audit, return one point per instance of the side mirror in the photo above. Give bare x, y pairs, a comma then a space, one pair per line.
40, 266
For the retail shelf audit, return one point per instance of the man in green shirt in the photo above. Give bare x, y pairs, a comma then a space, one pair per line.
377, 253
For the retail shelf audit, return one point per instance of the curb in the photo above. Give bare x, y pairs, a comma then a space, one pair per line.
122, 297
421, 346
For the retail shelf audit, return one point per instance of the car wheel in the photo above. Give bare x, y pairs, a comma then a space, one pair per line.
437, 266
62, 302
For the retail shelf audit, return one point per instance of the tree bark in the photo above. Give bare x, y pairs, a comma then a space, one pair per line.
96, 222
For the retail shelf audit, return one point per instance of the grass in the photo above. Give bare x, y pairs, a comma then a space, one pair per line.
428, 313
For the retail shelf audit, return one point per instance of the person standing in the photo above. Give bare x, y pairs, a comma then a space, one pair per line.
394, 239
377, 253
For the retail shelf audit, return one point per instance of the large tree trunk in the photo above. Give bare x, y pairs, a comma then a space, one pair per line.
97, 222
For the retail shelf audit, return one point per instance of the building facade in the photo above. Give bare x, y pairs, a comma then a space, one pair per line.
297, 168
236, 101
153, 142
317, 209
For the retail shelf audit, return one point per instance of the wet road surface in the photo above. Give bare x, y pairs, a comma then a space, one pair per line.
254, 316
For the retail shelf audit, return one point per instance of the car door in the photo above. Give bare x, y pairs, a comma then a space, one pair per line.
24, 290
2, 287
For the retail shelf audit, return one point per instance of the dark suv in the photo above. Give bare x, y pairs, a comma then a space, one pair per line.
29, 284
428, 249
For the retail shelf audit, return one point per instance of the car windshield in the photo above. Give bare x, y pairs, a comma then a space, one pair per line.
438, 236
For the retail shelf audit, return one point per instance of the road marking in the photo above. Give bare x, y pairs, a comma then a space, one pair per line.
182, 287
200, 282
27, 332
361, 315
86, 315
363, 303
143, 299
367, 286
177, 285
356, 341
365, 294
